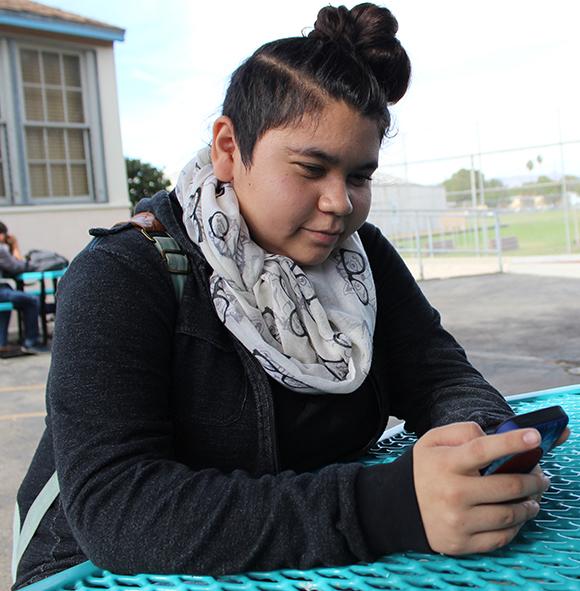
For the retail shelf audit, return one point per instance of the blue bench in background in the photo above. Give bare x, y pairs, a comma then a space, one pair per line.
45, 283
6, 307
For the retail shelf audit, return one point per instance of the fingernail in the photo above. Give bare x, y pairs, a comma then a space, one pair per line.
532, 437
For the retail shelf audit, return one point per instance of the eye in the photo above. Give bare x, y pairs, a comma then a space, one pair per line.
312, 170
359, 180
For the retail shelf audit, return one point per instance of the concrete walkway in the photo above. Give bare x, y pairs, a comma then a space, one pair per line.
521, 330
549, 266
567, 266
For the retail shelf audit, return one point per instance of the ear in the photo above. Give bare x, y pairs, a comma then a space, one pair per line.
223, 149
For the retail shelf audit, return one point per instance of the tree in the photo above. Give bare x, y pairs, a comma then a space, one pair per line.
544, 185
144, 179
550, 189
460, 183
458, 186
496, 193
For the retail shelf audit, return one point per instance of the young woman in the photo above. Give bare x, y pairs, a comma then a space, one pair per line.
219, 432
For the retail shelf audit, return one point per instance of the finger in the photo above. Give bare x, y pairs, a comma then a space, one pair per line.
563, 437
489, 518
482, 451
452, 435
537, 470
490, 541
503, 488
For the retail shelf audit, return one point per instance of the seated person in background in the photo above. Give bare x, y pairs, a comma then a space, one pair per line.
12, 263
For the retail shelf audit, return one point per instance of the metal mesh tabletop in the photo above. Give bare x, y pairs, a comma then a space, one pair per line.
545, 555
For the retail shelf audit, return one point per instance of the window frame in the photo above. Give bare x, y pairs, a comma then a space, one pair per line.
5, 199
4, 165
16, 122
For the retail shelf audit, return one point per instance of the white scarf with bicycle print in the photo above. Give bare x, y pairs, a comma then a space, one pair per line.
310, 329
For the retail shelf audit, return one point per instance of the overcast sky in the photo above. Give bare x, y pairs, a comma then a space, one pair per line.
487, 75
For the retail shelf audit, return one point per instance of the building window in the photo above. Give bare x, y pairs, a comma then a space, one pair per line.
56, 133
51, 142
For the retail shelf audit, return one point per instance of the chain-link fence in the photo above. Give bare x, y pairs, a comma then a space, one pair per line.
471, 239
520, 202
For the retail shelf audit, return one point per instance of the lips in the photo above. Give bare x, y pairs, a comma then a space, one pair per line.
324, 237
331, 232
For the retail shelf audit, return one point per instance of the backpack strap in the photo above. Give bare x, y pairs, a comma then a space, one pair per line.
178, 267
21, 536
174, 257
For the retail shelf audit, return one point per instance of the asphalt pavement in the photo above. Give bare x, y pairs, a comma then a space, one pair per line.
522, 331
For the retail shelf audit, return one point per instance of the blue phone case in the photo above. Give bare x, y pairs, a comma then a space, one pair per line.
550, 422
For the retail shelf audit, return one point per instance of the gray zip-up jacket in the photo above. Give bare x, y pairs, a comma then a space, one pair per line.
162, 428
9, 264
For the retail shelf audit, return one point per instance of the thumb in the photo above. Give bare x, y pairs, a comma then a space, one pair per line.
452, 435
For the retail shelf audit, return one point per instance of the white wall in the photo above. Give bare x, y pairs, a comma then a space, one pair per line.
392, 200
116, 176
58, 228
401, 196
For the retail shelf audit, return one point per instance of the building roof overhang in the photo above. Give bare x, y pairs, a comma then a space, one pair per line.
24, 14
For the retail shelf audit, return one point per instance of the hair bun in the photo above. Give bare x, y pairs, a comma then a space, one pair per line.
369, 31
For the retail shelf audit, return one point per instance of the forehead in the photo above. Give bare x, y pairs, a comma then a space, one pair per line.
337, 130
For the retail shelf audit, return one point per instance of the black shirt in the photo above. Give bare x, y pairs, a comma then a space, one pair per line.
318, 429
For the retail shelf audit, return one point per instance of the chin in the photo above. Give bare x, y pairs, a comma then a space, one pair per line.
305, 257
312, 260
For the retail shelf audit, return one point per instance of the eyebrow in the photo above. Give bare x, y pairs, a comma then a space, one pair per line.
328, 158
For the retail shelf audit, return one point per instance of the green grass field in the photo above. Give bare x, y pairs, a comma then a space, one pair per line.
540, 232
537, 233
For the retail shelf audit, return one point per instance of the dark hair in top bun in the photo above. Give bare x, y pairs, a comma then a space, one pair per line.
370, 32
350, 55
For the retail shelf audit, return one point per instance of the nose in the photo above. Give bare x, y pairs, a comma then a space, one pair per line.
335, 198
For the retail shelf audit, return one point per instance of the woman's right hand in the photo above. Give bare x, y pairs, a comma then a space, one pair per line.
462, 511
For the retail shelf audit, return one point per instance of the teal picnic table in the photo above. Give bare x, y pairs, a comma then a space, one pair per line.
39, 280
545, 554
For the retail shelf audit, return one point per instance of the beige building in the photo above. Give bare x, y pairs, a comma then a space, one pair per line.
61, 160
396, 204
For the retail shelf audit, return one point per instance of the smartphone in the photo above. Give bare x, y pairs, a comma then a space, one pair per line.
550, 422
